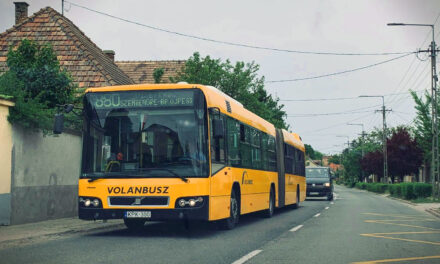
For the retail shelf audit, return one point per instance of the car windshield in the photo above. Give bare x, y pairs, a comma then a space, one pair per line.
145, 134
317, 173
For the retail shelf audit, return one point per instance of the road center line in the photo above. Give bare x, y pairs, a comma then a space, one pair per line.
327, 208
247, 257
296, 228
316, 215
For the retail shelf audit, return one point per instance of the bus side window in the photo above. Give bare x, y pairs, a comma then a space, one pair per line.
271, 154
264, 151
233, 138
256, 149
217, 147
245, 148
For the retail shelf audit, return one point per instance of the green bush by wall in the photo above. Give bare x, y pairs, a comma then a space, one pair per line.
408, 191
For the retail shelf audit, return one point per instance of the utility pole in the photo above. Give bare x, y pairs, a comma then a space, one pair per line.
434, 103
62, 7
384, 136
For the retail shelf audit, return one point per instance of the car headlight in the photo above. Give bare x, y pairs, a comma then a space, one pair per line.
327, 184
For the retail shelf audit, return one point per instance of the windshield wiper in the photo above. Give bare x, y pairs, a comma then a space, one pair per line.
103, 176
167, 170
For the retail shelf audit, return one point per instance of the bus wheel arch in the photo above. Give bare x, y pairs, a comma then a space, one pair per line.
298, 197
268, 213
234, 208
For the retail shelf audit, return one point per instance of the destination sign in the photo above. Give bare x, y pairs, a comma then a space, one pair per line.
137, 99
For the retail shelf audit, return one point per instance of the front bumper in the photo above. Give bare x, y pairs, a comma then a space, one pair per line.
199, 213
318, 191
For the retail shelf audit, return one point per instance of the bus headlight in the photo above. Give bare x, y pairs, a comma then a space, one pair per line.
327, 184
95, 202
186, 202
89, 202
182, 202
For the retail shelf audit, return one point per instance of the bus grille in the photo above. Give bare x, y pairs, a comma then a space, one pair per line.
139, 201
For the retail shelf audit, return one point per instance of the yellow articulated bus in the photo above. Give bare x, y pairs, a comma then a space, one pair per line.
183, 151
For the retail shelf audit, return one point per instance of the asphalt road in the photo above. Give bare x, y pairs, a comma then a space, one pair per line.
357, 227
167, 242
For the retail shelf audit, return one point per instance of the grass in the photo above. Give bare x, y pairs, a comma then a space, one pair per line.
426, 200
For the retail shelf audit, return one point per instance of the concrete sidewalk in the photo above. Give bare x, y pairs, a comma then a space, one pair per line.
28, 233
432, 208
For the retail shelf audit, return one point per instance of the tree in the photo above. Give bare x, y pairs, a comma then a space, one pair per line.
37, 84
313, 154
157, 74
336, 159
372, 163
240, 81
404, 154
423, 125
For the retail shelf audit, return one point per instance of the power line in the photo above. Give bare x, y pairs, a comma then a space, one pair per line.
329, 114
336, 98
335, 125
341, 72
406, 73
352, 111
235, 43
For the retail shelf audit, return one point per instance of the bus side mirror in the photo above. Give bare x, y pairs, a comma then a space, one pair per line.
219, 131
58, 125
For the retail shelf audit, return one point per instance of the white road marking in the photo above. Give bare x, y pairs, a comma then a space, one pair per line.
247, 257
327, 208
316, 215
296, 228
332, 203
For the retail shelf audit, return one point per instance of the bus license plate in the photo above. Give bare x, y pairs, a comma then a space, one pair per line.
314, 193
138, 214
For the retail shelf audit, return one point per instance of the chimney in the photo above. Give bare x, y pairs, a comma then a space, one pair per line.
21, 11
110, 54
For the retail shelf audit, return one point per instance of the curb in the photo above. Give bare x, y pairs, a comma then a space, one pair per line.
434, 212
69, 231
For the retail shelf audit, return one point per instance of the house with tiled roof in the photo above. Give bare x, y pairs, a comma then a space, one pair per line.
142, 71
87, 64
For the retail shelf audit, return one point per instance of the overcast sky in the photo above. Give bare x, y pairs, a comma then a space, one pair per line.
319, 26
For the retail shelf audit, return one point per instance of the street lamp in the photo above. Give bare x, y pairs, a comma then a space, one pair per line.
434, 128
384, 137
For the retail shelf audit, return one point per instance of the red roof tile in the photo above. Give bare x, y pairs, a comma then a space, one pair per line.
142, 71
87, 64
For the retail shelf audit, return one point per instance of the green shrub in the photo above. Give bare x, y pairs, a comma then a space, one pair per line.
394, 189
422, 190
360, 185
376, 187
407, 191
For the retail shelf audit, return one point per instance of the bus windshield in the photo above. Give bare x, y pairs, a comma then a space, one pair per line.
149, 133
317, 173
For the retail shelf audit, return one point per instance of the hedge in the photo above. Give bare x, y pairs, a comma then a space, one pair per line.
407, 191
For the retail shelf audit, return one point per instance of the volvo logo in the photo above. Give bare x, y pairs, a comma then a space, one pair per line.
137, 201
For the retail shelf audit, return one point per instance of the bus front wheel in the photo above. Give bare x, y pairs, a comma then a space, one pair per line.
230, 222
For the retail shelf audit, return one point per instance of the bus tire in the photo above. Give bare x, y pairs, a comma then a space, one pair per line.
134, 224
296, 205
268, 213
230, 222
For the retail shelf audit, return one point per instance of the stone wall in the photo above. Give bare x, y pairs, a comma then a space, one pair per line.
45, 171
